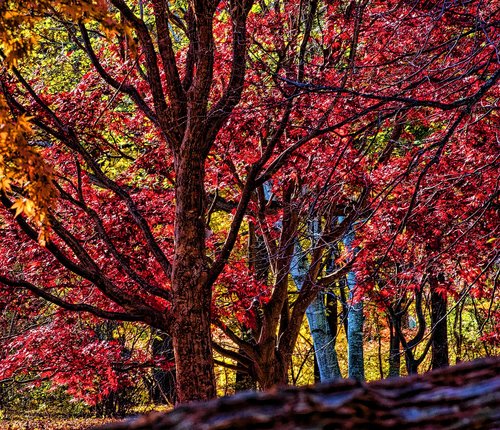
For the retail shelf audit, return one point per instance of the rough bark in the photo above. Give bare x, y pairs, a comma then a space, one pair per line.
440, 335
466, 396
271, 369
191, 332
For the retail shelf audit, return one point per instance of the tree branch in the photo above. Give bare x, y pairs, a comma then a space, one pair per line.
76, 307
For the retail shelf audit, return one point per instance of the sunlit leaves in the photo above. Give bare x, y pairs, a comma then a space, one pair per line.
23, 173
18, 18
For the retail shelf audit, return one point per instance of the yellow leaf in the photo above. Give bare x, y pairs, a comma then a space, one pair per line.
29, 207
5, 184
18, 206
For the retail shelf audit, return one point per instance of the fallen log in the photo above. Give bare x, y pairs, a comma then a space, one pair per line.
466, 396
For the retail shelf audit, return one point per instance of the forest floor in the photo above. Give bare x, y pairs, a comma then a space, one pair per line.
52, 424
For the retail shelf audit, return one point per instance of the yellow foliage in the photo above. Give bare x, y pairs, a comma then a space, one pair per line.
18, 17
24, 177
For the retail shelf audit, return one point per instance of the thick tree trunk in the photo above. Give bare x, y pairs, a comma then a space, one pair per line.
272, 370
464, 397
192, 342
192, 295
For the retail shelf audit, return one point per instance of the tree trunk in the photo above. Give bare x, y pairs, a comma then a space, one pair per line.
355, 336
394, 352
112, 404
355, 322
324, 342
464, 397
457, 331
412, 365
439, 323
343, 301
272, 371
319, 326
192, 295
273, 375
317, 377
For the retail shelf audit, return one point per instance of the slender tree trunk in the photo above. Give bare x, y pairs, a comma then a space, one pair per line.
412, 366
394, 353
192, 295
355, 334
323, 339
345, 307
457, 332
355, 322
379, 345
439, 323
109, 405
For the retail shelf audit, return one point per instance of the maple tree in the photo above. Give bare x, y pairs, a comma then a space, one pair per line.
195, 127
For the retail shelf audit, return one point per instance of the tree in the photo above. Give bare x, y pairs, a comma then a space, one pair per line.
324, 338
190, 108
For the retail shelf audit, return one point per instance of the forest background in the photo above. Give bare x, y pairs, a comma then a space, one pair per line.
202, 197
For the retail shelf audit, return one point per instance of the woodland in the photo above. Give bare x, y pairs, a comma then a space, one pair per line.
201, 197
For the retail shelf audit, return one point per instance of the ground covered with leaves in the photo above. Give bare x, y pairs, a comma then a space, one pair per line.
52, 424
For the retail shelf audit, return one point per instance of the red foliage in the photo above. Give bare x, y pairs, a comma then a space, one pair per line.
386, 113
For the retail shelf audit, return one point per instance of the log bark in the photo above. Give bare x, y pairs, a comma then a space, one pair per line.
466, 396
